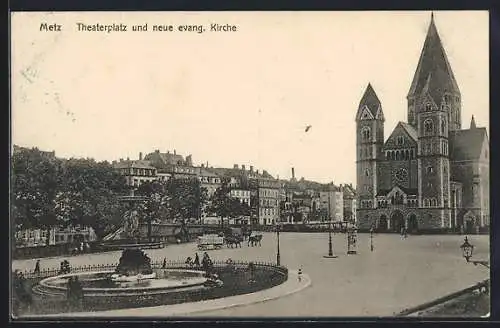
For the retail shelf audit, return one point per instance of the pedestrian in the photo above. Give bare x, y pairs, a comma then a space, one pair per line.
402, 233
196, 260
405, 232
299, 275
164, 265
37, 267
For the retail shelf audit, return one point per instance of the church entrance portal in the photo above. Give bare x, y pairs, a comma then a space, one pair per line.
382, 223
412, 224
397, 221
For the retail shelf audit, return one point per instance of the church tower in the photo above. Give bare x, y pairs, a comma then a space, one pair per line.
434, 71
369, 142
434, 110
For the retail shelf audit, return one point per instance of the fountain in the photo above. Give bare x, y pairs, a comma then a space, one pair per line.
133, 277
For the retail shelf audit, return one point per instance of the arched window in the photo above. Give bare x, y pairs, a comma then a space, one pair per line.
365, 133
397, 155
428, 106
434, 202
407, 154
412, 154
426, 202
387, 155
428, 127
430, 169
443, 127
367, 172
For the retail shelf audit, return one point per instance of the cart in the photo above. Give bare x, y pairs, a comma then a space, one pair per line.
212, 241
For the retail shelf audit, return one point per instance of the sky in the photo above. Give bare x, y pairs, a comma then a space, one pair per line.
241, 97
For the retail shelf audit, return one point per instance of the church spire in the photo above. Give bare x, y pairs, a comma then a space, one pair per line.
433, 60
370, 101
472, 123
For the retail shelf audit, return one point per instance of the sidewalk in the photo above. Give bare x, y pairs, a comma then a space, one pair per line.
291, 286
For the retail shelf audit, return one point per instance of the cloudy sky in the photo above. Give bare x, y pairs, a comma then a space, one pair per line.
243, 97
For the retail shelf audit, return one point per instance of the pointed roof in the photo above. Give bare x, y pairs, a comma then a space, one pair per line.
467, 144
370, 100
410, 130
433, 72
472, 123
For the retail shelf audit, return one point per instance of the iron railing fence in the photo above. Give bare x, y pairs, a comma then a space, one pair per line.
156, 264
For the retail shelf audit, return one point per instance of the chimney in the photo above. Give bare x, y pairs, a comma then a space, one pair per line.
121, 159
128, 158
168, 151
293, 173
202, 165
235, 166
140, 156
251, 168
257, 171
157, 151
174, 152
243, 167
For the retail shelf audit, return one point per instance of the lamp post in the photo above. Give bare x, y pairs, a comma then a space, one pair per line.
278, 255
467, 250
371, 239
330, 255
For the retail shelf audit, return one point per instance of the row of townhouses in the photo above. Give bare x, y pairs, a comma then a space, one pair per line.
274, 199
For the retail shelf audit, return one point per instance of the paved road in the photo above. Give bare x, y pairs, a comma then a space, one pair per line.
398, 274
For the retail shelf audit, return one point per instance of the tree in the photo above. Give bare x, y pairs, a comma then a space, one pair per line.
89, 195
222, 203
35, 180
156, 204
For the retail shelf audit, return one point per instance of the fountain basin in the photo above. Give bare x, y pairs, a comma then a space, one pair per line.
100, 283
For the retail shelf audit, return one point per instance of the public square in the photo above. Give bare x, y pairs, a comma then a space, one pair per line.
398, 274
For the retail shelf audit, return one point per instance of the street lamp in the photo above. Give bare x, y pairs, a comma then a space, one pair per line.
330, 255
467, 250
371, 239
278, 255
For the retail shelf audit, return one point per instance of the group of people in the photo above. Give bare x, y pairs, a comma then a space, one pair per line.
64, 267
206, 262
81, 248
404, 233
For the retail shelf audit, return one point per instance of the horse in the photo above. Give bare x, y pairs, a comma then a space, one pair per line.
254, 240
233, 241
247, 234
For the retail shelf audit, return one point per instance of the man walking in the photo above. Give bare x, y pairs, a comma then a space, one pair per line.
37, 267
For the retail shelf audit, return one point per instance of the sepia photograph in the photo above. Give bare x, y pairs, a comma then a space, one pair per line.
198, 165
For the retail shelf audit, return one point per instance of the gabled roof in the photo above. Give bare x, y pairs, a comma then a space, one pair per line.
410, 130
406, 128
433, 70
370, 101
467, 144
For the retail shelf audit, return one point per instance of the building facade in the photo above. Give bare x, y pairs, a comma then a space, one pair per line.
430, 173
332, 202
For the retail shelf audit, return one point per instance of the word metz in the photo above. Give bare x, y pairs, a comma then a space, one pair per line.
50, 27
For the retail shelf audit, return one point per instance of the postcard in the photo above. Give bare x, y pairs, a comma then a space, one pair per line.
249, 164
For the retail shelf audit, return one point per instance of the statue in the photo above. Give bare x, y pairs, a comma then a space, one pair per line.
131, 223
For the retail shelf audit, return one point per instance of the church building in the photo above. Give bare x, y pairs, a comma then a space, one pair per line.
429, 174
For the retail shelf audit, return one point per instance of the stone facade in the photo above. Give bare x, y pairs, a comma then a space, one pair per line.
430, 174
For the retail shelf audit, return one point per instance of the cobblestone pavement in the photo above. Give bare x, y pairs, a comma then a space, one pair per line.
398, 274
